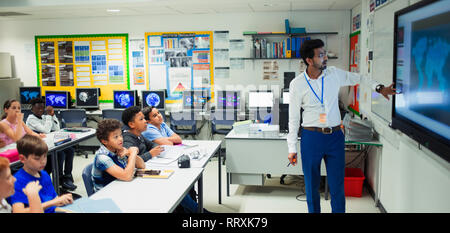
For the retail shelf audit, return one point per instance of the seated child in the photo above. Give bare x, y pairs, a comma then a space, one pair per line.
12, 127
157, 130
113, 161
7, 189
45, 121
33, 154
135, 120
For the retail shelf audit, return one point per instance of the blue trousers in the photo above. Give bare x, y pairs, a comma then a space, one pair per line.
189, 205
331, 147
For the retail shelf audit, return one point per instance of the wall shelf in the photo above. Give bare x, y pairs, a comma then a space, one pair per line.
291, 34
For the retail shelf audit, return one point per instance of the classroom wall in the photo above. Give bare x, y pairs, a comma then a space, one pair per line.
17, 37
410, 179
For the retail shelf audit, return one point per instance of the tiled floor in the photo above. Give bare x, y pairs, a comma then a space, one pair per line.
270, 198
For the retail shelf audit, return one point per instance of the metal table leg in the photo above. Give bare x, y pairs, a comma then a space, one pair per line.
200, 193
220, 176
55, 169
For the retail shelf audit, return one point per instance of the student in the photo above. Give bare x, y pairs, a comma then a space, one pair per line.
157, 130
12, 127
2, 143
113, 161
7, 181
316, 91
33, 154
135, 120
45, 122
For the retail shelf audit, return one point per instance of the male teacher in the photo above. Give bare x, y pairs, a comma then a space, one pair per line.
316, 91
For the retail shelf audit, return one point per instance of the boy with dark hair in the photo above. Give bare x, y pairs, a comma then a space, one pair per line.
135, 120
33, 154
113, 161
158, 131
45, 121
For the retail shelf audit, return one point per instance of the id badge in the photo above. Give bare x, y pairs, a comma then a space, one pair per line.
322, 115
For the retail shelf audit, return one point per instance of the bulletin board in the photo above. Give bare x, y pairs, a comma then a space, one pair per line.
83, 61
178, 61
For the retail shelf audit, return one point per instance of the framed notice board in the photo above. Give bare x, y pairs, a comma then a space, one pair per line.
70, 61
178, 61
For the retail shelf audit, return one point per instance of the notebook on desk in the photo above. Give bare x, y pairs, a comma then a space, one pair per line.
153, 173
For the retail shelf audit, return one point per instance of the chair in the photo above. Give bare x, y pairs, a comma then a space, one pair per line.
222, 117
74, 116
26, 113
183, 119
112, 114
87, 179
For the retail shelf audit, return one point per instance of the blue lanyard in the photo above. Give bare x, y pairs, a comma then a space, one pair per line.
321, 100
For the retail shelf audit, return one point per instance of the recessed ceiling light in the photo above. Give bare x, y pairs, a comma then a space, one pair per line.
113, 10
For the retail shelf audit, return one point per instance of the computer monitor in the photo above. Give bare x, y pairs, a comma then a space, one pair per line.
29, 93
196, 100
284, 117
87, 97
285, 97
288, 77
124, 98
57, 99
153, 98
229, 100
421, 109
260, 99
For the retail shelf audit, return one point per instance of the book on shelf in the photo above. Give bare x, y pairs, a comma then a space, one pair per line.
154, 173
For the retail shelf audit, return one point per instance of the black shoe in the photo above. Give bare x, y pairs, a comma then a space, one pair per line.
68, 177
67, 184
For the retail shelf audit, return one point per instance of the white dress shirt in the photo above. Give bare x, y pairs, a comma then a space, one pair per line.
301, 96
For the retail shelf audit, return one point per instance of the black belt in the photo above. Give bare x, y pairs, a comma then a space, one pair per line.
327, 130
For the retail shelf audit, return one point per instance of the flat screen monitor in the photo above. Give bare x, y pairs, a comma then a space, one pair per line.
228, 100
87, 97
260, 99
57, 99
195, 100
29, 93
421, 74
153, 98
285, 97
124, 98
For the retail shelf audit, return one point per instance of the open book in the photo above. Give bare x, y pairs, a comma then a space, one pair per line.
152, 173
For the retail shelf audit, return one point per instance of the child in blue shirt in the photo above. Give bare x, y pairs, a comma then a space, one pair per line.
157, 130
33, 154
113, 161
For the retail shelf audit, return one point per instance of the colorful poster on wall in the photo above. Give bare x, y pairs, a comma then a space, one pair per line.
179, 80
138, 76
82, 52
116, 72
201, 74
179, 61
